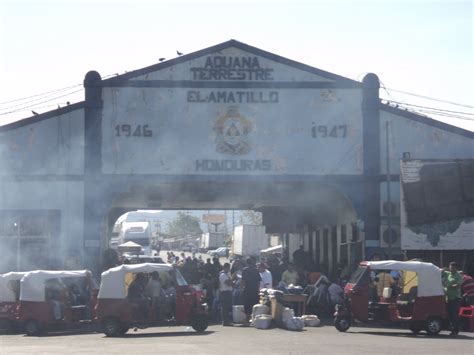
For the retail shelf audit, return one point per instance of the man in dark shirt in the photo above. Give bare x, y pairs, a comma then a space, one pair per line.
250, 286
136, 294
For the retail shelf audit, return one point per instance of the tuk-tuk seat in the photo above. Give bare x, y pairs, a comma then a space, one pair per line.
405, 299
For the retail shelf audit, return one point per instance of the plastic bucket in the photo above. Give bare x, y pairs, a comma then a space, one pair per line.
238, 314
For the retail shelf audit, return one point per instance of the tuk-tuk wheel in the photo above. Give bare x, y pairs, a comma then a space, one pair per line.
433, 325
199, 323
342, 323
112, 328
32, 327
123, 329
5, 326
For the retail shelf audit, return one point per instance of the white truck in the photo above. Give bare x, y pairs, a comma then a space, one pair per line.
248, 240
212, 240
137, 232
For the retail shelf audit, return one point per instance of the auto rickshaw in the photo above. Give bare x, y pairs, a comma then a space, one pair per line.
416, 302
9, 299
56, 300
178, 304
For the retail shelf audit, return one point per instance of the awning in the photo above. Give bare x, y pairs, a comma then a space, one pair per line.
271, 250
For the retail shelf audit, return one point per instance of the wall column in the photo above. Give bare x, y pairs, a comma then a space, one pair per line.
371, 137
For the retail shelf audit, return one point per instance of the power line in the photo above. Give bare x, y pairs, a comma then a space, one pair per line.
431, 98
39, 103
432, 108
28, 102
43, 94
49, 93
445, 115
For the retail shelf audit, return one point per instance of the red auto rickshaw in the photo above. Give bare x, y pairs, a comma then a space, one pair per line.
9, 299
56, 300
178, 303
416, 301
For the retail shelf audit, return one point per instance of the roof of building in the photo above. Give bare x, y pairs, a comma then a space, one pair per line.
337, 79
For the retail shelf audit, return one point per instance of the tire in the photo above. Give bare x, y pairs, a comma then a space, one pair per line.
433, 325
199, 323
123, 330
32, 327
5, 326
112, 328
342, 323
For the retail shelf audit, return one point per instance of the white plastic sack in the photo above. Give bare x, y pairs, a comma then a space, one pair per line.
262, 321
260, 309
311, 320
238, 314
295, 323
286, 314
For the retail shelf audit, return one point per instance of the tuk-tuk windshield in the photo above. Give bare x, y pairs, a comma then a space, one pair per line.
180, 280
359, 276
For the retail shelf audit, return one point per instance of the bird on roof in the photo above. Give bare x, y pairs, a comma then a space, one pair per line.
34, 113
179, 53
162, 59
68, 103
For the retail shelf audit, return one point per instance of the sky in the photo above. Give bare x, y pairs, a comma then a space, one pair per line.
418, 47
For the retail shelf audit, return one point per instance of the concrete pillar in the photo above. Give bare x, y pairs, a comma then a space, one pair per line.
338, 241
93, 209
371, 138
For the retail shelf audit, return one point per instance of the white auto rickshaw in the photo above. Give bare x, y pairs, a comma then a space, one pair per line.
56, 300
9, 299
118, 311
417, 303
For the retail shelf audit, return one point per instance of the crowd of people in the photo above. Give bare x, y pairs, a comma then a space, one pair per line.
240, 282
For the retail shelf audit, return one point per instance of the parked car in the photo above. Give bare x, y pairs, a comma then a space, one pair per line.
222, 251
188, 247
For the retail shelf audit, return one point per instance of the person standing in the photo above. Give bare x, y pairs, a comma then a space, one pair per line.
265, 275
154, 292
452, 288
250, 287
225, 295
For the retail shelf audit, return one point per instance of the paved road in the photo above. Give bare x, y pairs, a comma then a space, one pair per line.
239, 340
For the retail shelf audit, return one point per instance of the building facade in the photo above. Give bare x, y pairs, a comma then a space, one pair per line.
228, 127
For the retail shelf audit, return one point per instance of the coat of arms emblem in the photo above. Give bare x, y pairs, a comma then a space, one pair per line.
232, 132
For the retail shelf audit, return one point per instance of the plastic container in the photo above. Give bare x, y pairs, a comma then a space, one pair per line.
287, 314
259, 309
262, 321
295, 323
311, 320
238, 314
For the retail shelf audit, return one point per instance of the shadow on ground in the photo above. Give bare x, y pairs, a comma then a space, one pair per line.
133, 335
411, 335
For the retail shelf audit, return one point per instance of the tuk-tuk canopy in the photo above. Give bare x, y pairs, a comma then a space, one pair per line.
32, 286
429, 275
112, 284
6, 292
